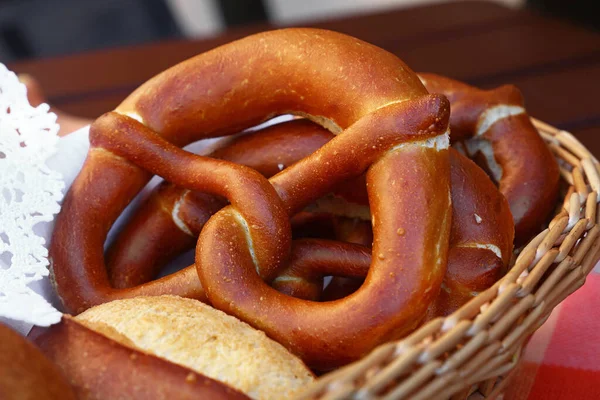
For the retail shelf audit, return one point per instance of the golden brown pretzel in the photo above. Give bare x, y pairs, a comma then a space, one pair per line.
519, 159
392, 128
171, 219
481, 218
481, 241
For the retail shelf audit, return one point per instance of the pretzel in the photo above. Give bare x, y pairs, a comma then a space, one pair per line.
171, 219
480, 242
390, 127
518, 159
477, 205
480, 247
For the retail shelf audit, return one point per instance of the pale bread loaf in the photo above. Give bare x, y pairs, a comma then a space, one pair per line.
197, 336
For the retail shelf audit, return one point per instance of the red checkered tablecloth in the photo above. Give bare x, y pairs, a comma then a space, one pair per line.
562, 360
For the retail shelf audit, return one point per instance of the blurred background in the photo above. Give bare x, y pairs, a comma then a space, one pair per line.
45, 28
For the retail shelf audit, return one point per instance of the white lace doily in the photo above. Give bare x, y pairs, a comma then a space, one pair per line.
30, 193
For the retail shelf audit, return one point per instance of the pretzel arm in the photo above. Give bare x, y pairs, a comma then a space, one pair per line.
312, 260
481, 239
166, 225
171, 219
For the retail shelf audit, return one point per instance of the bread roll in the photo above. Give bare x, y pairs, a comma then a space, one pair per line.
210, 342
99, 368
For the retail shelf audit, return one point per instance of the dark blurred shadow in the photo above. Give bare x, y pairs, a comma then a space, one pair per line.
242, 12
42, 28
581, 12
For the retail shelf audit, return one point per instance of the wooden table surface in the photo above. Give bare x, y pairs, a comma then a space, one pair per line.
556, 65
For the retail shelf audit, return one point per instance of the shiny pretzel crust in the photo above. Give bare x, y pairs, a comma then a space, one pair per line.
330, 77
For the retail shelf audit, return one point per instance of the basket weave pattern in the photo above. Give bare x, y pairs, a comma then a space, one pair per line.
471, 353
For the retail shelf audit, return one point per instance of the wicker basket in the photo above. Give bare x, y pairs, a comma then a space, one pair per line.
472, 353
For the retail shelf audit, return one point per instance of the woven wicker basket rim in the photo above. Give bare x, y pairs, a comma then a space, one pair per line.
472, 353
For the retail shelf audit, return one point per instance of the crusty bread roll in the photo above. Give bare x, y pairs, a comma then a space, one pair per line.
197, 336
99, 368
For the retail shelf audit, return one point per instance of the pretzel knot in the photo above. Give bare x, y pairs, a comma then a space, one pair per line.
388, 126
171, 220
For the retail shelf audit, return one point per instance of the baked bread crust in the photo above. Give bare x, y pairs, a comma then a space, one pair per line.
201, 338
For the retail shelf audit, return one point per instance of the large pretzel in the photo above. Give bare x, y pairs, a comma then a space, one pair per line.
480, 246
392, 128
518, 158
